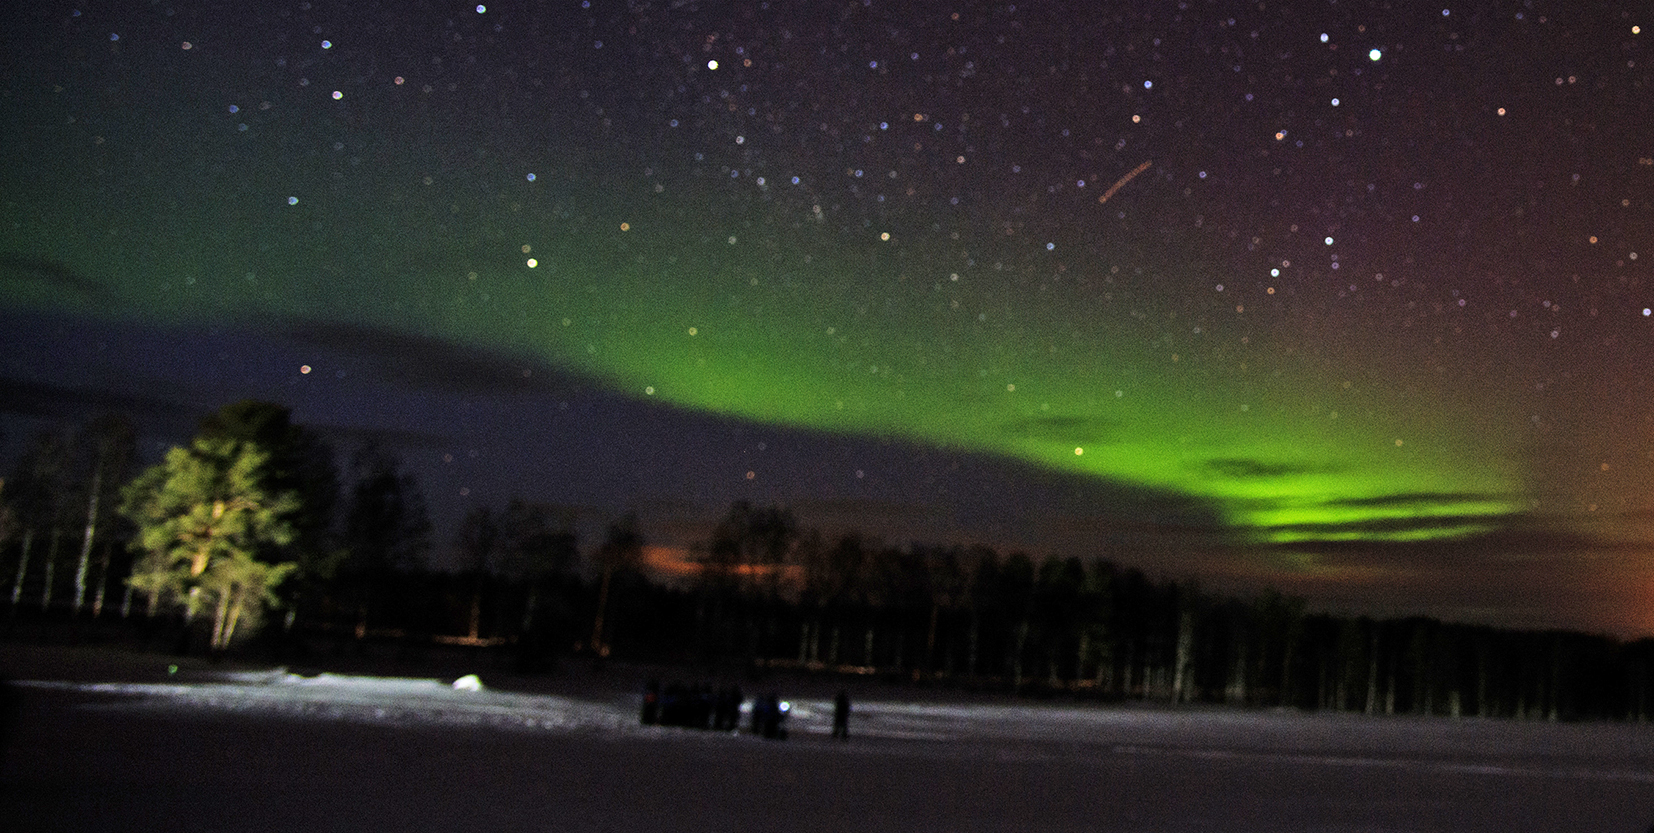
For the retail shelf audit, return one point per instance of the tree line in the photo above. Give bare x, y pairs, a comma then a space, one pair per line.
252, 520
777, 595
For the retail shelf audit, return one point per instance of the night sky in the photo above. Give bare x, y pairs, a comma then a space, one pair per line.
1349, 299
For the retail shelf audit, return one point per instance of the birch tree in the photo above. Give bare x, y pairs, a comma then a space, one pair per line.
36, 496
112, 446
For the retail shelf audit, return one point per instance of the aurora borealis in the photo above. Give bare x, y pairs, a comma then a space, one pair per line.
1343, 298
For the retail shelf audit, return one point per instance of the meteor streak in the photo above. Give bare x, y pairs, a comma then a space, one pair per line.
1123, 180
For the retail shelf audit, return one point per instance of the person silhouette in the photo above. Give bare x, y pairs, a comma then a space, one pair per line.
841, 715
651, 703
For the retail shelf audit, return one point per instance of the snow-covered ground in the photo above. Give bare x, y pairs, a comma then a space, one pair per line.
387, 700
913, 765
1601, 751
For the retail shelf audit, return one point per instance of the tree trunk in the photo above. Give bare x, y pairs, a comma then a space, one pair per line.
1322, 700
1285, 694
602, 603
22, 569
1016, 655
1641, 697
221, 613
1185, 652
476, 614
1236, 693
529, 605
189, 605
51, 566
1105, 668
1390, 687
86, 539
757, 637
930, 638
1128, 678
235, 618
1372, 674
1482, 709
1080, 655
102, 586
1555, 698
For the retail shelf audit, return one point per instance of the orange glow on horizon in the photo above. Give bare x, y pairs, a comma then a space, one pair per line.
680, 562
673, 561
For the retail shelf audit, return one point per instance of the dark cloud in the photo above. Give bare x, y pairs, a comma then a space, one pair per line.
1418, 499
392, 438
1409, 514
870, 512
28, 269
425, 362
1383, 529
1241, 468
1079, 430
28, 398
1497, 539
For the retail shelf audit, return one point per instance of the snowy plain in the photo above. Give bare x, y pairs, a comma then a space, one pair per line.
270, 750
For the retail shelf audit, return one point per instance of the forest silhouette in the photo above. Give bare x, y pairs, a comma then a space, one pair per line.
324, 564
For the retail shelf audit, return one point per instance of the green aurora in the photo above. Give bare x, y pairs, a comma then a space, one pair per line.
1118, 345
1073, 369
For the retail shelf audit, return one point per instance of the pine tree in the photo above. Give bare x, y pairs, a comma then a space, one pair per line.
205, 517
622, 550
299, 461
479, 543
540, 550
387, 533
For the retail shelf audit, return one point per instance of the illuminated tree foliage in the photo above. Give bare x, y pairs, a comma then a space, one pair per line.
299, 462
206, 521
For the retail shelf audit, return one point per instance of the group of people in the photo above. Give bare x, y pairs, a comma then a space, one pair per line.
692, 707
699, 706
769, 717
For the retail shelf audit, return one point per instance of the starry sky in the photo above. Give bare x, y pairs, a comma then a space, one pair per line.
1348, 299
